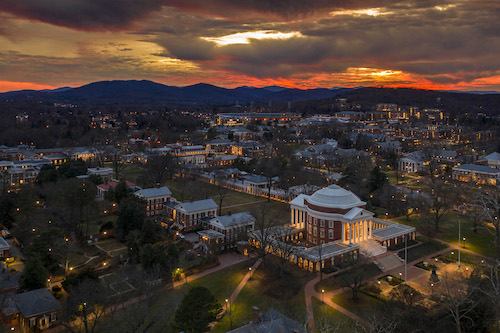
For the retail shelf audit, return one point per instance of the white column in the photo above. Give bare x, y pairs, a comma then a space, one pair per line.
292, 217
350, 233
343, 232
365, 230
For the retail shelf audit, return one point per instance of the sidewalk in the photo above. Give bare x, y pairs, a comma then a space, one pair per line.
225, 260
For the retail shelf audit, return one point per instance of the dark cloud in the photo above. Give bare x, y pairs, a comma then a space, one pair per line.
82, 14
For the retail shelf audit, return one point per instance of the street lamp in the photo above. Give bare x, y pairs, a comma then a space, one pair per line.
250, 271
464, 241
322, 294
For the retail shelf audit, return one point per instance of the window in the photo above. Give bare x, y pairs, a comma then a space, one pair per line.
330, 224
315, 231
322, 223
32, 322
322, 233
315, 221
330, 234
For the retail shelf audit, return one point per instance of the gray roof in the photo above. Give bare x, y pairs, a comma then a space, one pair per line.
36, 302
154, 192
235, 219
255, 178
476, 168
272, 322
492, 157
199, 205
8, 280
391, 230
3, 244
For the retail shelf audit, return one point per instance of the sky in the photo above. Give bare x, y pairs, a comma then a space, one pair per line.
428, 44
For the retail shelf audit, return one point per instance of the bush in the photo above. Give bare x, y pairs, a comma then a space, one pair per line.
372, 288
401, 245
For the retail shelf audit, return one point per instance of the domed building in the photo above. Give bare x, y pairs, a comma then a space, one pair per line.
332, 214
333, 225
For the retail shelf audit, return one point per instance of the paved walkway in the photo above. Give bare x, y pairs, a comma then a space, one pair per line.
225, 260
327, 297
236, 292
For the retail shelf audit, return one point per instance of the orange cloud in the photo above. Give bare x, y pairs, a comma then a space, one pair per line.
12, 86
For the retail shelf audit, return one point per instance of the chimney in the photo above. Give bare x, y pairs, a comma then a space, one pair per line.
157, 185
229, 212
256, 317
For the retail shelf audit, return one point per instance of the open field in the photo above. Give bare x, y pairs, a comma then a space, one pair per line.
480, 242
363, 307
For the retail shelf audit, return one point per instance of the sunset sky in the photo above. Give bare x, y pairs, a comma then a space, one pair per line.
432, 44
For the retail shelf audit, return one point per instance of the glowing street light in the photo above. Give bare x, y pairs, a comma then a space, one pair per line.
322, 294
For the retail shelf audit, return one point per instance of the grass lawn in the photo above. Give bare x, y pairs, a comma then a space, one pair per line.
363, 307
221, 284
326, 316
110, 245
254, 294
131, 173
480, 242
76, 259
335, 282
422, 250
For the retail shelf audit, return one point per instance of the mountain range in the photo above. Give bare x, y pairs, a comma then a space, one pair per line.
133, 91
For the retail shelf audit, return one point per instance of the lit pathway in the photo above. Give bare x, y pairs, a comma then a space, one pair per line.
235, 293
225, 261
327, 297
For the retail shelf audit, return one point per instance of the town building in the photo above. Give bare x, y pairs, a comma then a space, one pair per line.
103, 189
226, 230
479, 174
155, 198
32, 310
105, 173
4, 248
330, 226
492, 160
188, 216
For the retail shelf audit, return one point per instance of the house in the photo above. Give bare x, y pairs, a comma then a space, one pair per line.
189, 215
36, 308
479, 174
8, 283
270, 322
155, 198
4, 248
102, 189
227, 230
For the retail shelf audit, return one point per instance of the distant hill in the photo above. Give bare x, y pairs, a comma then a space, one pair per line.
136, 92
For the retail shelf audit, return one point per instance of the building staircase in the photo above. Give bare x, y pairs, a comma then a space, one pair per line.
371, 248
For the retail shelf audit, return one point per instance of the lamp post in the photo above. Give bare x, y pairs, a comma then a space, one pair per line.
464, 241
459, 243
250, 270
406, 255
322, 295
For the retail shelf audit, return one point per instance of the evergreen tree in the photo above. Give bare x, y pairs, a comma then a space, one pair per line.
197, 310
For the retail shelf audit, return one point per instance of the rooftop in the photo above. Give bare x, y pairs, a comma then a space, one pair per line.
335, 196
35, 302
154, 192
476, 168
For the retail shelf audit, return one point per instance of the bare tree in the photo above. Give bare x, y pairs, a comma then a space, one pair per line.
440, 202
265, 223
492, 289
488, 203
283, 245
85, 308
117, 161
158, 169
355, 275
222, 191
455, 293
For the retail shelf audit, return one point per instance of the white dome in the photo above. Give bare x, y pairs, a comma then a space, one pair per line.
335, 196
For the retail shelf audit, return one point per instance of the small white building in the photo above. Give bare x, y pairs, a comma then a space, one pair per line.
479, 174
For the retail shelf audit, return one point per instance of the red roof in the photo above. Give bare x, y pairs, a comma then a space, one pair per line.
113, 185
